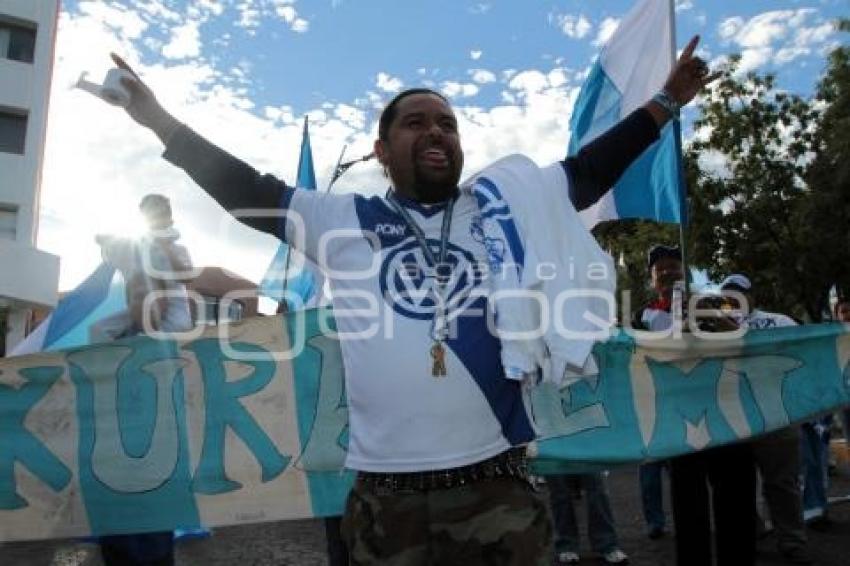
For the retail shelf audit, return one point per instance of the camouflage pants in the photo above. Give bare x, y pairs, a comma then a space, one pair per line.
492, 522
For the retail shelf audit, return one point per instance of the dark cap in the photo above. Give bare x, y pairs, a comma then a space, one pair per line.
659, 251
736, 282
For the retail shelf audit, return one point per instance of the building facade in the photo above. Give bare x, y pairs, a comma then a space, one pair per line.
28, 277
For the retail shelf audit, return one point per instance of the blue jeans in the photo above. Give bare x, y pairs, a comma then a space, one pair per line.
651, 494
600, 520
845, 424
815, 463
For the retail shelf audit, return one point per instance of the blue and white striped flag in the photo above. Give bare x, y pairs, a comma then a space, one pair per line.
300, 288
631, 68
99, 296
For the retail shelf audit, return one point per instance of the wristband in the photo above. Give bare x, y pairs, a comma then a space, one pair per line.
667, 102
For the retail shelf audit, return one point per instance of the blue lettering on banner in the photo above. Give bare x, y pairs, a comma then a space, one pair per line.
326, 440
687, 421
19, 445
223, 411
136, 388
322, 417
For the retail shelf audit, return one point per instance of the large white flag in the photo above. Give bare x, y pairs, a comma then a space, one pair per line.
631, 68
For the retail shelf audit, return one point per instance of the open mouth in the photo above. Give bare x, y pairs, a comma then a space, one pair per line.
435, 157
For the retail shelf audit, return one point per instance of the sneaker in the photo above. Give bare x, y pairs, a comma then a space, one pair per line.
615, 556
568, 557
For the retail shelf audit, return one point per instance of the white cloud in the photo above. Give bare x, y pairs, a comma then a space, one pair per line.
454, 89
128, 24
557, 77
482, 76
730, 27
388, 84
683, 5
156, 9
287, 12
776, 37
480, 8
252, 13
788, 54
214, 7
475, 55
575, 27
249, 17
353, 116
529, 82
763, 30
185, 42
606, 30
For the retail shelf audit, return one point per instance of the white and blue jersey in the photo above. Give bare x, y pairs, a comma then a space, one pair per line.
401, 417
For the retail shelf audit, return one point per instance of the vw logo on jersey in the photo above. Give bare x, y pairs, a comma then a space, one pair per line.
409, 284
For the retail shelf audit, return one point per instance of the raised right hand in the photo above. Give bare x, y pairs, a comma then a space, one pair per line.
143, 107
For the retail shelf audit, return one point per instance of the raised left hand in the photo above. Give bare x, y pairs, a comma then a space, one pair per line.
689, 75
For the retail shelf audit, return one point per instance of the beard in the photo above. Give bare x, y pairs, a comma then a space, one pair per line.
432, 186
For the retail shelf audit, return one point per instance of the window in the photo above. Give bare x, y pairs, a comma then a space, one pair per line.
17, 42
8, 222
13, 131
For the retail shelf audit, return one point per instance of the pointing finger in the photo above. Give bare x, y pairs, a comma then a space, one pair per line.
121, 64
689, 48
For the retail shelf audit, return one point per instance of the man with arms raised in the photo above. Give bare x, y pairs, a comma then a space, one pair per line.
437, 433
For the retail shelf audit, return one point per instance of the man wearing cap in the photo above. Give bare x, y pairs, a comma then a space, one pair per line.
728, 470
664, 264
777, 455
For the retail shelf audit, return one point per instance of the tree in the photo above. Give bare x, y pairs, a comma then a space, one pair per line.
776, 205
827, 212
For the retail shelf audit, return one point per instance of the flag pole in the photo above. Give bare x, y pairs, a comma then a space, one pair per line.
288, 250
683, 207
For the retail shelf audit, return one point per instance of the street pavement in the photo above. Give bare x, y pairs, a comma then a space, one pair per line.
302, 543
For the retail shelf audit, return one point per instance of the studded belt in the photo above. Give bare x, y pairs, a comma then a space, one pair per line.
512, 463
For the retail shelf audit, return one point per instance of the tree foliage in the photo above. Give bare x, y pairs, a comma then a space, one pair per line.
746, 168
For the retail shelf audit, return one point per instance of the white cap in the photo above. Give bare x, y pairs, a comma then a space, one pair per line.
737, 280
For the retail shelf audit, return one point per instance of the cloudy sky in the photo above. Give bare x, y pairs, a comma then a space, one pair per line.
244, 73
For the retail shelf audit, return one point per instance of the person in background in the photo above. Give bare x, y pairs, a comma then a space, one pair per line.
153, 264
664, 264
600, 520
777, 455
814, 450
711, 487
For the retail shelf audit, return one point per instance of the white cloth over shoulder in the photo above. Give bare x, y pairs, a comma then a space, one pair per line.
552, 286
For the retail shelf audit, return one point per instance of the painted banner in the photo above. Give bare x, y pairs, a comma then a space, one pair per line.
144, 435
